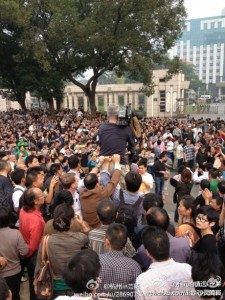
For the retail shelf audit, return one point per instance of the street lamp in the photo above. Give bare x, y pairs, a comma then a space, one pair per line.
193, 107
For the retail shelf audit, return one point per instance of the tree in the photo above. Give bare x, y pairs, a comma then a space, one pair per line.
20, 72
74, 36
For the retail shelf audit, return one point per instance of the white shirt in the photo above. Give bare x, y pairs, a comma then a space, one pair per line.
198, 179
16, 196
147, 179
180, 152
169, 146
164, 277
166, 135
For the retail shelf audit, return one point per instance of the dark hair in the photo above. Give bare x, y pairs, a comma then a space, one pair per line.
106, 211
143, 162
29, 159
54, 168
4, 289
4, 217
27, 199
186, 176
189, 202
157, 216
133, 181
90, 181
221, 187
82, 270
156, 242
207, 266
73, 161
151, 200
63, 214
117, 236
205, 184
62, 197
207, 210
219, 200
181, 168
163, 154
214, 173
17, 175
32, 174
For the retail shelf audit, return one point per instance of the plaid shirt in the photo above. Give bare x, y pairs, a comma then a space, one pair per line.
118, 275
189, 150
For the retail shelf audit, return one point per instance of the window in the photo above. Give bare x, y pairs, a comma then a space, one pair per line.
162, 80
141, 101
101, 103
80, 101
162, 101
121, 100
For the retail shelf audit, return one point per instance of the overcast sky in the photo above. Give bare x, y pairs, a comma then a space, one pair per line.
204, 8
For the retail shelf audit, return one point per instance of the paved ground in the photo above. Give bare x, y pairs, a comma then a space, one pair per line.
169, 206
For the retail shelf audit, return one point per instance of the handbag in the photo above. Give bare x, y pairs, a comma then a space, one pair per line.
44, 281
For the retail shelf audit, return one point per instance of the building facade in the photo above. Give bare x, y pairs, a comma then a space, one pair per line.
203, 45
167, 100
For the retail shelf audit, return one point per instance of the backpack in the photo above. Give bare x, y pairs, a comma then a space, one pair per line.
127, 213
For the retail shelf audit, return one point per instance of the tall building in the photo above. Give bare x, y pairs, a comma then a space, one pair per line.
203, 45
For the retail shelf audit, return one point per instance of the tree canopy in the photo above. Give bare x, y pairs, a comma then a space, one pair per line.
73, 36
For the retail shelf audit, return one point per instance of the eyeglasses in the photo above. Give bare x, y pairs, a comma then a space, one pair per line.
201, 219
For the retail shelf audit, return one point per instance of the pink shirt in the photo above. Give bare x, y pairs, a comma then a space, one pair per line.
32, 228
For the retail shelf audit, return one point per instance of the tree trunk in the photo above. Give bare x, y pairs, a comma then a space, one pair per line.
93, 107
22, 104
58, 104
51, 107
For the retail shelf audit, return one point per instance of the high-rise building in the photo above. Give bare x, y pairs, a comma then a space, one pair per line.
203, 45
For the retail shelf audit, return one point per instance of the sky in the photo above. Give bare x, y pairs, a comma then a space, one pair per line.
204, 8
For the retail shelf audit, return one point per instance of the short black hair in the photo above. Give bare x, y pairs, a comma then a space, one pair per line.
143, 162
207, 210
32, 174
117, 236
17, 175
90, 181
82, 271
205, 184
157, 216
106, 211
29, 159
54, 168
214, 173
4, 216
163, 154
221, 187
219, 200
156, 242
151, 200
133, 181
73, 161
63, 196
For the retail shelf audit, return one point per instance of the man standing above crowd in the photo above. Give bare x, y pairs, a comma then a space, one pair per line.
113, 138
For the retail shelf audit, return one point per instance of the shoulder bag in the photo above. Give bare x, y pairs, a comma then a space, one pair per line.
44, 281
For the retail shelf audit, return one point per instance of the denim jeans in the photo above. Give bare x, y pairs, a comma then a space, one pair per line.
159, 183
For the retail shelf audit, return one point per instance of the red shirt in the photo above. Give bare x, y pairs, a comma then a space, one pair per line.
32, 228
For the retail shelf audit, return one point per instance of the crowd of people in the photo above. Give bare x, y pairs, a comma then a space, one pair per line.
96, 190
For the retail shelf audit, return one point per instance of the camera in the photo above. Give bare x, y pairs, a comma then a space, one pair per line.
124, 115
